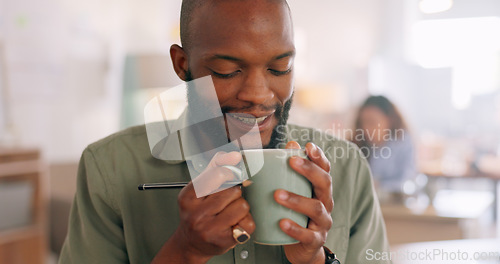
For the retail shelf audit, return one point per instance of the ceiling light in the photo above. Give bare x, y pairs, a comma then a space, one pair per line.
435, 6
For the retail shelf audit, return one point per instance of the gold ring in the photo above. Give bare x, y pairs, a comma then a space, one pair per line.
240, 235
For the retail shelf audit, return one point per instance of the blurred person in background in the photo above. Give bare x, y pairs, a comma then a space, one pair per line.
383, 136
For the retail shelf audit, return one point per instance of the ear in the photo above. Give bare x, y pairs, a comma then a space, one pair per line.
179, 61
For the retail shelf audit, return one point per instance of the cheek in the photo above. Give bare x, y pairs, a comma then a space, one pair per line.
283, 87
384, 124
226, 90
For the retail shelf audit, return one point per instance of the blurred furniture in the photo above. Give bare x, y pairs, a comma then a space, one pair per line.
459, 162
464, 251
495, 187
23, 238
63, 188
406, 226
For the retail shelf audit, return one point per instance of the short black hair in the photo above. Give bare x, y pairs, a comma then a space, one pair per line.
188, 8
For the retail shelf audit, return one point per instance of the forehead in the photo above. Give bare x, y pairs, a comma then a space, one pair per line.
242, 28
372, 112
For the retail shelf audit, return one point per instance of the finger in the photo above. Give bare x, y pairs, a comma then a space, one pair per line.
217, 202
222, 158
187, 198
313, 208
317, 156
304, 235
234, 212
247, 223
321, 180
210, 180
292, 145
213, 232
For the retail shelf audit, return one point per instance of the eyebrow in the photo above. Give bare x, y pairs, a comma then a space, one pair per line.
235, 59
284, 55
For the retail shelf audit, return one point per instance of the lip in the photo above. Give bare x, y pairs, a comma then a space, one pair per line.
233, 121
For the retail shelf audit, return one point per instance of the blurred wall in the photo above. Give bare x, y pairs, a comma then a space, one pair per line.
65, 64
65, 59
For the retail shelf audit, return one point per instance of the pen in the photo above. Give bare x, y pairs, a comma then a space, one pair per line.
151, 186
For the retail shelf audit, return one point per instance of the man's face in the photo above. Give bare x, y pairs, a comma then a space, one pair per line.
247, 47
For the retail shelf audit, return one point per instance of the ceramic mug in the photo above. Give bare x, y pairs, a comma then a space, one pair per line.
269, 170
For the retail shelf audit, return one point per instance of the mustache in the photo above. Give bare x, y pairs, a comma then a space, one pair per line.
227, 109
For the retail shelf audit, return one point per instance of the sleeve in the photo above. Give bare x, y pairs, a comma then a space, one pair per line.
95, 233
367, 235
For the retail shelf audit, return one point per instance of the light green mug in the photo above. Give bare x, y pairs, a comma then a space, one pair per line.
269, 170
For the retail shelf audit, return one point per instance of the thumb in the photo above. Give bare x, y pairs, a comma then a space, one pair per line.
223, 158
292, 145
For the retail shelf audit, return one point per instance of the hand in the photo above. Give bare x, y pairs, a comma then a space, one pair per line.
206, 223
318, 208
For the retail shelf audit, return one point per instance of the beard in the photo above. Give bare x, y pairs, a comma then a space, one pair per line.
216, 126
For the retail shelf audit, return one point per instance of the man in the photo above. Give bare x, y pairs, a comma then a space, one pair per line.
247, 47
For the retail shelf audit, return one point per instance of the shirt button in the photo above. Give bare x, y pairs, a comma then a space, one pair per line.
244, 254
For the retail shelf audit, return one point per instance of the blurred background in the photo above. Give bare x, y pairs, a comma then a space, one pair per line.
75, 71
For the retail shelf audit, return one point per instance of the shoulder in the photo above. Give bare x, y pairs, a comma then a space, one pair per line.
122, 137
130, 140
121, 149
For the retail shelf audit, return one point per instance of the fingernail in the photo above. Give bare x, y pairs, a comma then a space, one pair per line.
317, 154
314, 148
298, 160
282, 195
286, 225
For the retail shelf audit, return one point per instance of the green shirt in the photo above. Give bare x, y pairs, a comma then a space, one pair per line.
112, 222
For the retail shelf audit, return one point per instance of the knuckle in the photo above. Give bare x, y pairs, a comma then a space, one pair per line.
182, 202
322, 238
309, 239
206, 236
220, 173
192, 223
196, 223
329, 223
318, 208
328, 166
218, 155
251, 226
328, 180
293, 199
236, 192
244, 205
227, 174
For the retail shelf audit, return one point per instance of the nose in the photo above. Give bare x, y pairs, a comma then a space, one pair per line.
255, 88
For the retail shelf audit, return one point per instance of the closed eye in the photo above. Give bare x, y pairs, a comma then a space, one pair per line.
280, 73
225, 76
